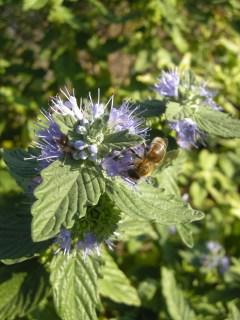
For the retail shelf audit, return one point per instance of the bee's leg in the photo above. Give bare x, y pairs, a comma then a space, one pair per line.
150, 180
64, 159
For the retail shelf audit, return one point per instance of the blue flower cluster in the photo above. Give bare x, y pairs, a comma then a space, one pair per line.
174, 87
215, 257
89, 245
91, 122
52, 143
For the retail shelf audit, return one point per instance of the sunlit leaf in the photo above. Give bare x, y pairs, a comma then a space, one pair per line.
65, 192
74, 282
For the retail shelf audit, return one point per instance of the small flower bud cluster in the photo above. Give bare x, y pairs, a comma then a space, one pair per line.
96, 228
186, 90
214, 257
91, 121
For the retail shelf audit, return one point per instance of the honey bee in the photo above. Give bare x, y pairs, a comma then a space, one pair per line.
144, 167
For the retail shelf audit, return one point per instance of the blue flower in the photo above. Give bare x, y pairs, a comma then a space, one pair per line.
168, 84
68, 107
209, 95
224, 264
97, 110
188, 133
89, 133
90, 244
124, 118
64, 241
49, 141
213, 247
215, 257
119, 163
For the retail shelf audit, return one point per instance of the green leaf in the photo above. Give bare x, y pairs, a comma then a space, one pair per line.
119, 140
150, 203
23, 171
34, 4
74, 283
174, 111
66, 191
217, 123
167, 179
130, 227
22, 288
15, 231
177, 305
151, 108
234, 313
65, 123
185, 233
115, 285
213, 122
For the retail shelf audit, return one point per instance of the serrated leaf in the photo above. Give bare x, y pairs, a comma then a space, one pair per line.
115, 285
185, 233
119, 140
66, 191
177, 306
15, 232
22, 288
167, 178
130, 227
23, 171
74, 283
217, 123
150, 203
213, 122
65, 123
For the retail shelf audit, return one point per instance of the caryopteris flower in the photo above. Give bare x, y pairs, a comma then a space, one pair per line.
215, 257
64, 241
49, 141
68, 107
90, 245
90, 122
119, 163
208, 96
124, 118
168, 84
188, 133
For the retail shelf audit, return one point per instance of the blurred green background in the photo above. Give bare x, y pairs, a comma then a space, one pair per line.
121, 47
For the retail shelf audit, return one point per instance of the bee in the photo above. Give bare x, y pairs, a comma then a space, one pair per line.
144, 167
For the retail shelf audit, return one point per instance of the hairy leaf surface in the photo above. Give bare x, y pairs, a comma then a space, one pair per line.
115, 285
15, 231
119, 140
217, 123
177, 305
66, 191
74, 282
23, 171
151, 203
65, 123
